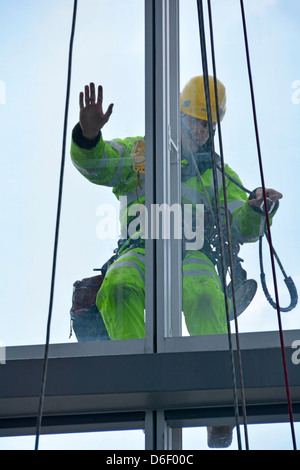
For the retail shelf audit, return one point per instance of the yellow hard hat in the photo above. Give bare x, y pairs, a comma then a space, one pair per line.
193, 102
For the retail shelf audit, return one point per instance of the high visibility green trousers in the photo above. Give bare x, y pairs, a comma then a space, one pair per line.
121, 298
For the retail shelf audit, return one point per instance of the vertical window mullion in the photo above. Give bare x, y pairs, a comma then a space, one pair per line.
150, 280
167, 168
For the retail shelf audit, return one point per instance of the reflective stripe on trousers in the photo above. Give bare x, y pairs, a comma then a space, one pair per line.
121, 299
125, 262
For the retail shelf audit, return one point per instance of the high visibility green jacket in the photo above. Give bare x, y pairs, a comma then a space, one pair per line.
110, 163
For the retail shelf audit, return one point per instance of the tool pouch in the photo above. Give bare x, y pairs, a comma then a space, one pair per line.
86, 320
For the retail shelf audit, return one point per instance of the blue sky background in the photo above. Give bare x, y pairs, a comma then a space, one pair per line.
109, 49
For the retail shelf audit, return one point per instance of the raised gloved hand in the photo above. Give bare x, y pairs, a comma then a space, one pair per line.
91, 117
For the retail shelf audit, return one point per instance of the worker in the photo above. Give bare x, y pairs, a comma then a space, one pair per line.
121, 297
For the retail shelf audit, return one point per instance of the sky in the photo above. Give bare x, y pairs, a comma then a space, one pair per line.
109, 50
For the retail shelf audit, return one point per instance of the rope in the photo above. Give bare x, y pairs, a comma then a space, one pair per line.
268, 226
220, 234
287, 279
46, 353
228, 230
234, 180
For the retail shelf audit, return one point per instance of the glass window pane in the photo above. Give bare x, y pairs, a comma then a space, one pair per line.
105, 440
118, 66
108, 51
271, 436
277, 105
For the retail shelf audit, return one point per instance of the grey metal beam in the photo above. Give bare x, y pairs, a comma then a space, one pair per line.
83, 422
82, 381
